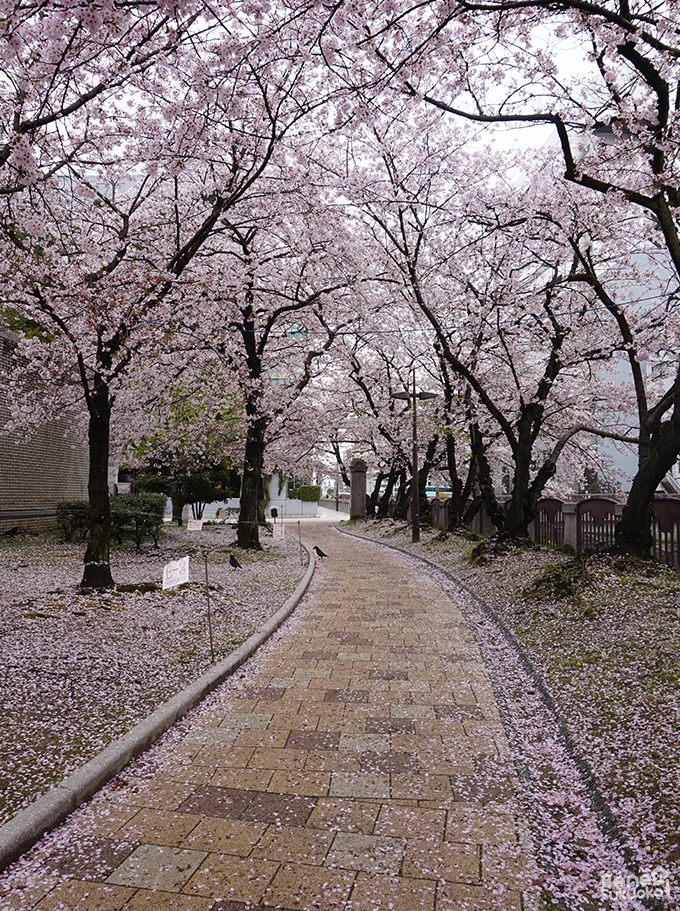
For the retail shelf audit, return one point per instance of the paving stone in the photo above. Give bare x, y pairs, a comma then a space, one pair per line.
390, 726
458, 712
154, 867
225, 836
458, 896
215, 757
159, 827
371, 853
262, 693
307, 887
305, 782
445, 861
277, 759
313, 740
480, 789
26, 895
376, 893
292, 843
162, 794
436, 788
85, 896
268, 738
346, 696
231, 878
145, 900
286, 809
360, 784
474, 824
210, 801
344, 815
239, 721
390, 762
90, 857
411, 822
238, 906
361, 743
294, 722
105, 819
379, 674
242, 779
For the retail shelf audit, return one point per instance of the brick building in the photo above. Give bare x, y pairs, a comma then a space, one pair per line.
36, 474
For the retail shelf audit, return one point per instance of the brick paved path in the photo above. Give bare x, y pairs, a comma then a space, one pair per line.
357, 762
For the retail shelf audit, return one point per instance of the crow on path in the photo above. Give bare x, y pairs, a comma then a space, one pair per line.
320, 554
11, 532
233, 562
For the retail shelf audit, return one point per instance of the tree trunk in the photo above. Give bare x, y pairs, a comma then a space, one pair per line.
375, 494
252, 499
177, 504
456, 501
634, 531
520, 513
483, 478
423, 474
384, 502
97, 569
525, 495
403, 497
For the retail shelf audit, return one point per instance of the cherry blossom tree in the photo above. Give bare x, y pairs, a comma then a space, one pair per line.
604, 77
102, 255
178, 422
494, 287
63, 67
275, 285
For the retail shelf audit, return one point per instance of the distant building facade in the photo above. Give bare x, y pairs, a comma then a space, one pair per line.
36, 474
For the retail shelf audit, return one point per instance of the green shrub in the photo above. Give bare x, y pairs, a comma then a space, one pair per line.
133, 515
309, 493
73, 518
138, 516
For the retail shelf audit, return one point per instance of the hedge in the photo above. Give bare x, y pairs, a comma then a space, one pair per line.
309, 493
133, 515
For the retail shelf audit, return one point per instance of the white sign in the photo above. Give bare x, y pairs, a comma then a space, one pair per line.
194, 524
176, 573
278, 530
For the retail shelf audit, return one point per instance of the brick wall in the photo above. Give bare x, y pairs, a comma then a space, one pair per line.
36, 474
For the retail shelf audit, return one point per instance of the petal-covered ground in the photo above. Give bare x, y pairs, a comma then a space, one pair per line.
81, 668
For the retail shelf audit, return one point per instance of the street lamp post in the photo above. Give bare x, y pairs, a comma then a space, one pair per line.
415, 486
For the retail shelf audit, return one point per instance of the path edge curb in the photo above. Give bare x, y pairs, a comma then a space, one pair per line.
48, 811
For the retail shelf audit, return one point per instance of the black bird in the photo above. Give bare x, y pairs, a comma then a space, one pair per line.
234, 562
320, 554
11, 532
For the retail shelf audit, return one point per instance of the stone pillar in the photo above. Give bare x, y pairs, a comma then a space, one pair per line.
570, 523
357, 496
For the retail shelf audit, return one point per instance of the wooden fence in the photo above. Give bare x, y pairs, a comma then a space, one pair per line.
589, 524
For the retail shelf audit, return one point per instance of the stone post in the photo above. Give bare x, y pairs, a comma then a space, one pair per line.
570, 525
357, 496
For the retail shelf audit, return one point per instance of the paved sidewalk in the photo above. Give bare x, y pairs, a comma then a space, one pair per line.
356, 762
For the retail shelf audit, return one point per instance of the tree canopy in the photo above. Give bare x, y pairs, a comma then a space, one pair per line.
280, 212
